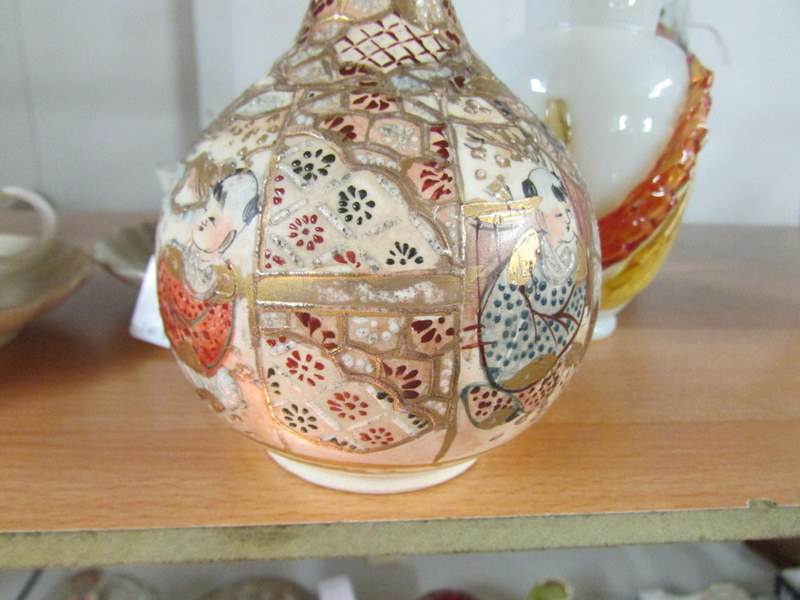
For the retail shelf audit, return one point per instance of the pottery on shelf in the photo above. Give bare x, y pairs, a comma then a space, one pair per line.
448, 595
719, 591
553, 589
260, 589
37, 273
126, 252
632, 107
96, 585
378, 263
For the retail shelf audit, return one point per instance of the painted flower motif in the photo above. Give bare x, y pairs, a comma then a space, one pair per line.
348, 406
377, 436
316, 331
280, 344
305, 368
274, 387
434, 181
434, 329
299, 418
272, 260
406, 378
349, 127
355, 205
417, 422
404, 254
348, 258
313, 164
372, 102
439, 142
278, 191
306, 233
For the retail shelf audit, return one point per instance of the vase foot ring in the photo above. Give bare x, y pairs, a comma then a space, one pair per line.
605, 326
371, 483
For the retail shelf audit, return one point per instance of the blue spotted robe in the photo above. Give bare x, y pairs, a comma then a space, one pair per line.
524, 324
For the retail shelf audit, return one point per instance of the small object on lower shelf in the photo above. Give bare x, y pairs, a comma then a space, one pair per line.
126, 251
336, 588
719, 591
98, 585
260, 589
787, 585
552, 589
448, 595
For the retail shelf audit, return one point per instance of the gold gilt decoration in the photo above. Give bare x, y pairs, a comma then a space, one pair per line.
497, 213
386, 240
523, 259
558, 119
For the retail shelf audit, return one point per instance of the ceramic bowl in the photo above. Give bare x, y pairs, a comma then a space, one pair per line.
26, 295
37, 272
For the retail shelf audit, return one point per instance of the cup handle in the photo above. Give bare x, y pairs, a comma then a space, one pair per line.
47, 213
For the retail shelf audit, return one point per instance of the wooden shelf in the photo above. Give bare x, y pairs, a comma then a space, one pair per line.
684, 426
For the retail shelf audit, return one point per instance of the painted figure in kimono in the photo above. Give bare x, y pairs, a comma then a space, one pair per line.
197, 284
532, 312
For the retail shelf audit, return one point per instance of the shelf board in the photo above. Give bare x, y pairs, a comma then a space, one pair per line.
684, 426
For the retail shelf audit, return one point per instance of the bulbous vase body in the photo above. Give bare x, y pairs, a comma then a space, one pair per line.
632, 107
377, 259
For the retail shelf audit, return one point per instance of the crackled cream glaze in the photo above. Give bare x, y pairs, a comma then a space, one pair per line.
377, 257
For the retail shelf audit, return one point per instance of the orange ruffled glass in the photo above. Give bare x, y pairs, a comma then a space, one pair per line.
664, 192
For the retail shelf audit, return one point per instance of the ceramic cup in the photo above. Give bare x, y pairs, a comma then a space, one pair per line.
18, 252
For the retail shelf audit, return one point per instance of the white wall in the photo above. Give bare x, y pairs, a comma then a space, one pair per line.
749, 169
92, 95
112, 90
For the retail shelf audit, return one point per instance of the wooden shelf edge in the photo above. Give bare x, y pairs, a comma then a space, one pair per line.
285, 542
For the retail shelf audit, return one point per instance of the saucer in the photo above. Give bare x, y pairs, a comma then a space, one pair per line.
126, 252
30, 292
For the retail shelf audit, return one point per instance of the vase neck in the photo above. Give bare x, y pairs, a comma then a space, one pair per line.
638, 15
429, 15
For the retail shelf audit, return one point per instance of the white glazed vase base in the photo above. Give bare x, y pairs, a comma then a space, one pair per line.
606, 324
371, 483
